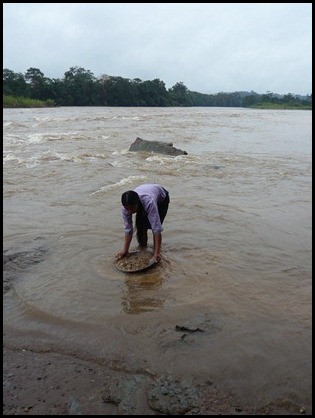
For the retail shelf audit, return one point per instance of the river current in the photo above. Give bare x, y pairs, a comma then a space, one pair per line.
236, 242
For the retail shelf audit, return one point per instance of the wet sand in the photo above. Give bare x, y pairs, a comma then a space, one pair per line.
48, 383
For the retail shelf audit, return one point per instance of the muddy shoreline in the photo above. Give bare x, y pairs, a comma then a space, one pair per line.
47, 383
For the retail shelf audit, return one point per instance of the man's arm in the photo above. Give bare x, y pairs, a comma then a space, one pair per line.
128, 238
157, 238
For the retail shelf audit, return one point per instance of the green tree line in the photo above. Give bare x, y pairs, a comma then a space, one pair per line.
79, 87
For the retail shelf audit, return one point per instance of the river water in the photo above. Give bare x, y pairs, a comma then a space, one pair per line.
236, 243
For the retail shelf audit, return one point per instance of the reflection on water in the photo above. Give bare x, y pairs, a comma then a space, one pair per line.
141, 292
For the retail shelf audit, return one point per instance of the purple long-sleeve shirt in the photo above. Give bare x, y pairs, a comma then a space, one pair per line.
150, 195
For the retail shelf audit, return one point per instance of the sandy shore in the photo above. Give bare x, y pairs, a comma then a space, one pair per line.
55, 384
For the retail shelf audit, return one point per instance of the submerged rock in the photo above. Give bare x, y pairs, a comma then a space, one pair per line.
16, 260
158, 147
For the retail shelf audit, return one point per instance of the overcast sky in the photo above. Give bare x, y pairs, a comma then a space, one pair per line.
210, 47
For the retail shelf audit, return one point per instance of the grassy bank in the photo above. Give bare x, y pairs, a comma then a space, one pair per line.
12, 101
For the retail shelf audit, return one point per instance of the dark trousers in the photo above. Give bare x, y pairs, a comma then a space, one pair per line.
143, 223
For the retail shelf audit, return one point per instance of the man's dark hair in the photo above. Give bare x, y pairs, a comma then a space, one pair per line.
130, 198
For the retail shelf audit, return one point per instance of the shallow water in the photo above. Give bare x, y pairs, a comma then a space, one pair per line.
236, 242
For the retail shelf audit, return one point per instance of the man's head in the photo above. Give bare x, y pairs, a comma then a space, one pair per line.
130, 200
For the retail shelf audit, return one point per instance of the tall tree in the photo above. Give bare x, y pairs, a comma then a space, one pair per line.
79, 87
36, 81
14, 84
179, 94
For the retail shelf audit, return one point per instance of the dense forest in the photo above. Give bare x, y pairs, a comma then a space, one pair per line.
79, 87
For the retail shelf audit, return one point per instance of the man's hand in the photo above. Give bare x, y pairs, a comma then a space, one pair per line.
122, 254
155, 259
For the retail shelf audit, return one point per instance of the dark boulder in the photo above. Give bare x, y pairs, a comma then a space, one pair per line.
159, 147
